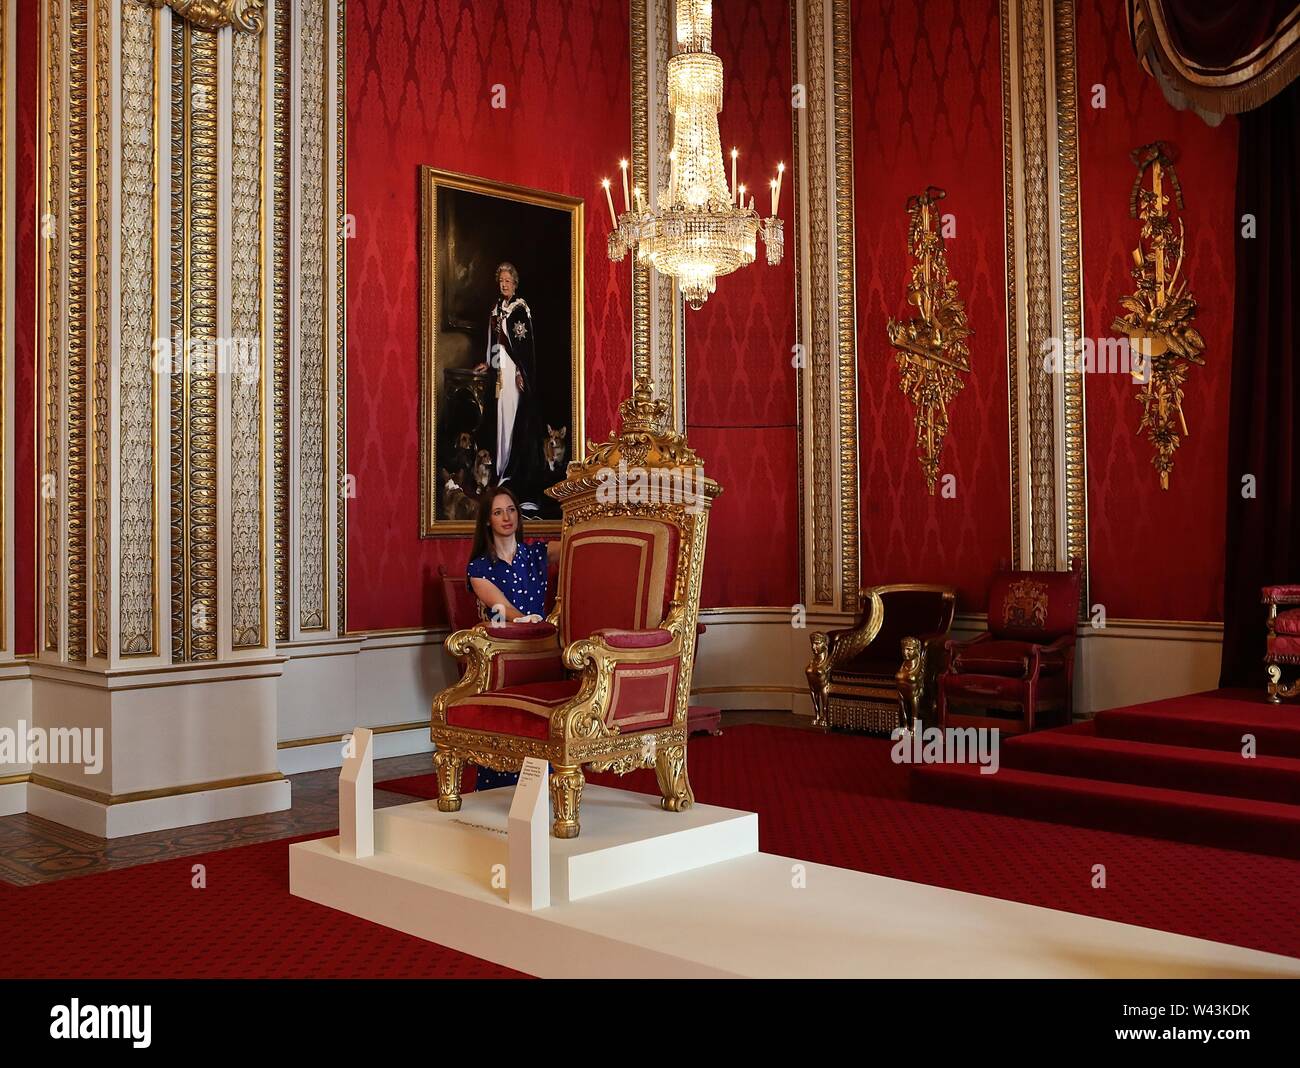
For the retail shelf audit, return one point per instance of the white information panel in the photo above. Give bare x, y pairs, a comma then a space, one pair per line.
357, 796
529, 870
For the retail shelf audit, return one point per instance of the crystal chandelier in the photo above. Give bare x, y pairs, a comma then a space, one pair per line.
701, 229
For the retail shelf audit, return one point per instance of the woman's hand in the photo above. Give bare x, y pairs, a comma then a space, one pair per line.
519, 381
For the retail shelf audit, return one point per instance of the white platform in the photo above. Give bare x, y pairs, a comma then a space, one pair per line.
756, 915
626, 839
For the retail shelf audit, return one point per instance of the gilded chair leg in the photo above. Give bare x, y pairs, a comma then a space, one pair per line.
910, 680
566, 800
448, 765
1276, 691
670, 770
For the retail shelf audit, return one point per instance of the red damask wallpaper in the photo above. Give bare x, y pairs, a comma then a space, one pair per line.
1154, 554
420, 84
741, 390
927, 110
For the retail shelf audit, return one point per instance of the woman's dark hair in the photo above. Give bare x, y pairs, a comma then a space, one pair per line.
484, 543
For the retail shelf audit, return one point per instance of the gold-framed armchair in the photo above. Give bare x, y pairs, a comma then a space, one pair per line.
880, 674
605, 682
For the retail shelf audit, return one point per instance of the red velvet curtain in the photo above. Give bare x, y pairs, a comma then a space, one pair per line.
1227, 56
1263, 532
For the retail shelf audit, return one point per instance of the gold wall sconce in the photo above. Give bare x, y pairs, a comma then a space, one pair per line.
1158, 316
932, 354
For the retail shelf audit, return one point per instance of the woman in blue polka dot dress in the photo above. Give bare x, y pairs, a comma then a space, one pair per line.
508, 575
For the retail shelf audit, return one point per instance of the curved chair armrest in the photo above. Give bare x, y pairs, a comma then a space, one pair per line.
479, 645
841, 646
596, 658
953, 646
513, 632
1280, 594
635, 639
1060, 651
620, 647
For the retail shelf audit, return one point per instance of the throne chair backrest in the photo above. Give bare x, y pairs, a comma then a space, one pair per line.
1034, 606
618, 571
911, 612
635, 515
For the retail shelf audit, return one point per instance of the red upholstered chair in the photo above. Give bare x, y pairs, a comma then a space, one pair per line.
1283, 639
1022, 669
465, 610
609, 672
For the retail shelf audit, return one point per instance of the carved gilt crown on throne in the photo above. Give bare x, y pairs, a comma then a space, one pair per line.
605, 681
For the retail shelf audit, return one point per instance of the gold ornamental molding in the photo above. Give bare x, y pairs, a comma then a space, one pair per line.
1158, 315
186, 159
280, 313
825, 280
932, 352
246, 15
1044, 283
658, 320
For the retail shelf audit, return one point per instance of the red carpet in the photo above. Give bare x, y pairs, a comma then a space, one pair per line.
839, 799
148, 922
1171, 769
832, 799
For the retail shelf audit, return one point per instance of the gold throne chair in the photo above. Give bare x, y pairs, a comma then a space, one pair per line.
605, 682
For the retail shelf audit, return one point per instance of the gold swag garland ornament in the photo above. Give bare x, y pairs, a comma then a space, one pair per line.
932, 351
1158, 316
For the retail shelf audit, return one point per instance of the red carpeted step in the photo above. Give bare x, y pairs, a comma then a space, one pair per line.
1081, 754
1217, 719
1231, 822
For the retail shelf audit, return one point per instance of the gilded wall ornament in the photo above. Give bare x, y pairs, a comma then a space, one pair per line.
1158, 316
246, 15
932, 352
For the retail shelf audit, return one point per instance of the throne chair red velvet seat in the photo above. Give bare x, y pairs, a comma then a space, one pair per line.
1283, 646
880, 673
1021, 670
605, 681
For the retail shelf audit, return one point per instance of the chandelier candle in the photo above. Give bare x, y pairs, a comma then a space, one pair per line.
604, 184
626, 201
735, 196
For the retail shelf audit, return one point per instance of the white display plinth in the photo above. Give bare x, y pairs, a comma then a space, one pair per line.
626, 839
642, 899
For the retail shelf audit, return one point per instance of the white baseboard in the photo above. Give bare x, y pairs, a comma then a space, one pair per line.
1130, 661
160, 813
13, 798
296, 759
754, 658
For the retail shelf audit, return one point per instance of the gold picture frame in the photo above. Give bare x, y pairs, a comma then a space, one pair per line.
466, 228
